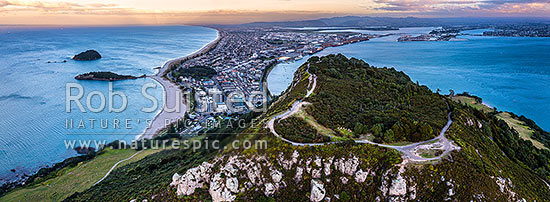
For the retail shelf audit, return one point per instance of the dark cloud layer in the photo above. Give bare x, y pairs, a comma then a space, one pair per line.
457, 5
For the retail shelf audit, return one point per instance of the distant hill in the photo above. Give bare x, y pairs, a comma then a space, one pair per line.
366, 21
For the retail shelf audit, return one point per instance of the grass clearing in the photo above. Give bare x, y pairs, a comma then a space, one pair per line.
76, 179
472, 103
429, 153
524, 131
311, 121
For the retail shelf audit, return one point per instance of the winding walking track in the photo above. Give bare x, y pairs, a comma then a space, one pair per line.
116, 164
406, 150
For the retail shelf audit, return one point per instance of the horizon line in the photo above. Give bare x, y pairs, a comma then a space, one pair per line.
275, 21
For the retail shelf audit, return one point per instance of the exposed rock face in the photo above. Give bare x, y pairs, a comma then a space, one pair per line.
398, 186
317, 191
192, 179
87, 55
257, 173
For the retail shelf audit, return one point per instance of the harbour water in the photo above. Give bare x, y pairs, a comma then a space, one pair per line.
510, 73
35, 126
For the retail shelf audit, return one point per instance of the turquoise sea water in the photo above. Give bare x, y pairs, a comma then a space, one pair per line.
510, 73
33, 119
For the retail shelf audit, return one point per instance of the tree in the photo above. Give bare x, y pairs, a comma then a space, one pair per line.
389, 136
376, 130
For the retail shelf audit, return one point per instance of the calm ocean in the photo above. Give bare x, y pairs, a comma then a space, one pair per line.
33, 128
510, 73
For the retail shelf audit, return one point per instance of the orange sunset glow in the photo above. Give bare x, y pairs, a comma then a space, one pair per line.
103, 12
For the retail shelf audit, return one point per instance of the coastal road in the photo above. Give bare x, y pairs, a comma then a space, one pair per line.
406, 150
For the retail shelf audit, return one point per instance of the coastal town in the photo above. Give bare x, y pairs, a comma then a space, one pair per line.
450, 33
242, 58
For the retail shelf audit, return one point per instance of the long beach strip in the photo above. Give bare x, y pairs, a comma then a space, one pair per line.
171, 90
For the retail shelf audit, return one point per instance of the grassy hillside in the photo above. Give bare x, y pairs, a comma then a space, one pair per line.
74, 179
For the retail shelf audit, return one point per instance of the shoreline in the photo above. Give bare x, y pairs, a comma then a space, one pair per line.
17, 181
170, 90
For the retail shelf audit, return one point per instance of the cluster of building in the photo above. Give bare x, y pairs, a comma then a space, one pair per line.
527, 30
241, 58
429, 37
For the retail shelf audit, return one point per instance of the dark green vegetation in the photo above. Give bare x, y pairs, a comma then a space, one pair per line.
380, 101
522, 151
105, 76
198, 72
538, 134
297, 130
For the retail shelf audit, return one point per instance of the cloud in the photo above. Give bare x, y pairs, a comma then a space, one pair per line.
457, 6
52, 6
4, 4
26, 12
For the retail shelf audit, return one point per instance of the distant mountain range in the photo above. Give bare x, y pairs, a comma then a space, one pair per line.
366, 21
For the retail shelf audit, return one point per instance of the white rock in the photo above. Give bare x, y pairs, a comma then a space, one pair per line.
276, 176
175, 179
299, 172
308, 166
254, 174
230, 169
317, 191
361, 176
269, 189
216, 188
328, 163
316, 173
398, 186
295, 156
227, 195
232, 184
317, 161
344, 180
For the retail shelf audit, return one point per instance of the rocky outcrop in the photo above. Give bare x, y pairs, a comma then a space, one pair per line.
239, 173
361, 176
192, 179
84, 150
87, 55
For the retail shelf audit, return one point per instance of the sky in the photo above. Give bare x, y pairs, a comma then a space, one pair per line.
117, 12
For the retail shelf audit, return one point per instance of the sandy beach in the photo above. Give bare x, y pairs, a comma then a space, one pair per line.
171, 92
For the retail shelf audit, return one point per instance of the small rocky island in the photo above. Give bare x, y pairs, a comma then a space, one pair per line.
87, 56
105, 76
